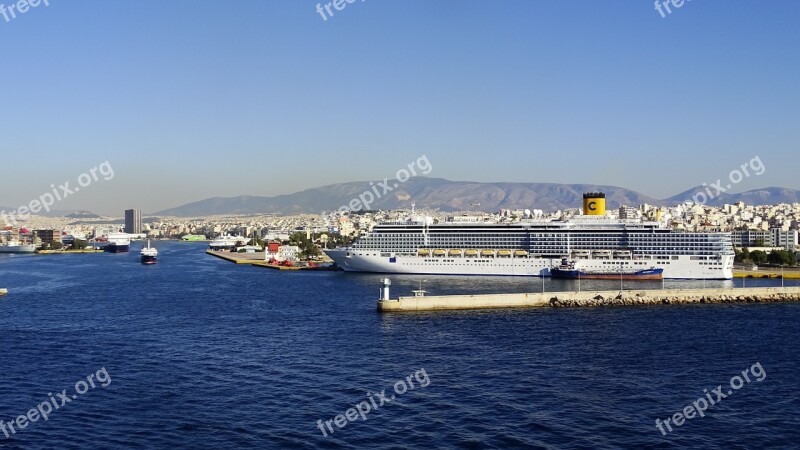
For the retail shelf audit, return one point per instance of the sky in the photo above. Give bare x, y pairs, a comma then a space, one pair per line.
187, 100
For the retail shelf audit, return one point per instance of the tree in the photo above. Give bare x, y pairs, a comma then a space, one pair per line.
307, 246
741, 256
759, 256
79, 244
758, 242
782, 258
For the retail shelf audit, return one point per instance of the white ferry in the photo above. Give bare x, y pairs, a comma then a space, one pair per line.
533, 247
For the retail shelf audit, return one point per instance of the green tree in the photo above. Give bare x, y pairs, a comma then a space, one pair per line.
307, 246
79, 244
759, 257
782, 258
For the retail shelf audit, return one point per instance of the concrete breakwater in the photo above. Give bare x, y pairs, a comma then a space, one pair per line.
590, 299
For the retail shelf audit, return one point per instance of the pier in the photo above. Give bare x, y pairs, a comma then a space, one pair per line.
256, 259
421, 302
788, 273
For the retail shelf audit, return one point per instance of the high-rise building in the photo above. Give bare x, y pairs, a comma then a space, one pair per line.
133, 221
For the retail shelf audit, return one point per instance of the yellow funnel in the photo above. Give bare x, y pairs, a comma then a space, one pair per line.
594, 204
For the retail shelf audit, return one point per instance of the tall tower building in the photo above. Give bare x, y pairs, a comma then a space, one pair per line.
133, 221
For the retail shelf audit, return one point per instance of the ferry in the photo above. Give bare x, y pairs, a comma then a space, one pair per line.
17, 247
148, 254
567, 270
601, 243
118, 243
227, 242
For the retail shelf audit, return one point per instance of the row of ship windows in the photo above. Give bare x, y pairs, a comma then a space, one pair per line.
592, 236
517, 243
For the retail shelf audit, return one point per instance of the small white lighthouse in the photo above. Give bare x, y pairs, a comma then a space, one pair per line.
385, 289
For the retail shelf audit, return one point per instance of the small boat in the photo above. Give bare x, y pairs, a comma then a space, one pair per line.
504, 253
471, 253
487, 252
149, 255
567, 271
439, 252
3, 292
454, 252
423, 252
520, 253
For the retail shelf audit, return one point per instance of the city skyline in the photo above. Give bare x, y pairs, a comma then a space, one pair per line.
189, 103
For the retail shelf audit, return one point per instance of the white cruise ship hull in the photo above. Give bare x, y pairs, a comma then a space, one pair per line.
678, 267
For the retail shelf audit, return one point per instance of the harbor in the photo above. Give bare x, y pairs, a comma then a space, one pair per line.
419, 302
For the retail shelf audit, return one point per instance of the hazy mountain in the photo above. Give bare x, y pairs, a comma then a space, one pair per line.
51, 213
459, 195
765, 196
82, 215
426, 192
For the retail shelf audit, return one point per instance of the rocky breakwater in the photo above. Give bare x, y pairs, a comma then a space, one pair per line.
634, 298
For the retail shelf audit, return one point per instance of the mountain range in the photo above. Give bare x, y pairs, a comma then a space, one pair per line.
448, 195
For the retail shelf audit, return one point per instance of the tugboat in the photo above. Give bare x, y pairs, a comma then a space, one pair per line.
568, 271
149, 254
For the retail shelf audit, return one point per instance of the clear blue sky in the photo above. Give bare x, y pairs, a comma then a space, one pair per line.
193, 99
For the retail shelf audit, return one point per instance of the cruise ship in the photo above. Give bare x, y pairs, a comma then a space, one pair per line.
533, 247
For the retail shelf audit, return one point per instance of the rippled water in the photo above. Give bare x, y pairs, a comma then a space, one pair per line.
206, 354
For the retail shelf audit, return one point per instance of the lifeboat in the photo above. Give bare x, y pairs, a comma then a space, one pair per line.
505, 253
454, 252
423, 252
470, 252
487, 252
439, 252
602, 253
520, 253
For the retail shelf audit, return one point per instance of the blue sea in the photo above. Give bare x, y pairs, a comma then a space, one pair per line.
196, 352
